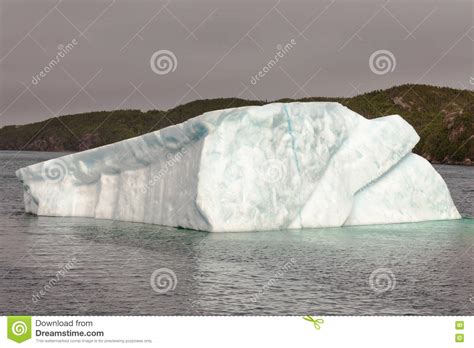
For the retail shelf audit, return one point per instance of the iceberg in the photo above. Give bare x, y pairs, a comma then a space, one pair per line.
277, 166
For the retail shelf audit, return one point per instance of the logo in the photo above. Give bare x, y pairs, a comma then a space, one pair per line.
316, 322
163, 280
382, 62
273, 171
19, 328
54, 170
163, 62
382, 280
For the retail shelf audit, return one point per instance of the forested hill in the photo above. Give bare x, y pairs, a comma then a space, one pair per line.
443, 117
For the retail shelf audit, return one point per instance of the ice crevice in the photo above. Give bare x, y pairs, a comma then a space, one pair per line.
290, 132
277, 166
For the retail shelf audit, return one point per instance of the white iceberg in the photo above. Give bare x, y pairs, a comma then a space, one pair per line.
278, 166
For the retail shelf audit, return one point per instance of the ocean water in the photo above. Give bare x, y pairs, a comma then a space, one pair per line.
75, 266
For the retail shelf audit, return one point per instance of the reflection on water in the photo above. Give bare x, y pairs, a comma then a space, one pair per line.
423, 268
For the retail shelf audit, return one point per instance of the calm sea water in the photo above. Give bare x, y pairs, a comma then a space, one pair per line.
60, 266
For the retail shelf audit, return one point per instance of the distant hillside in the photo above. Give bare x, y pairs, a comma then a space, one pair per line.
443, 117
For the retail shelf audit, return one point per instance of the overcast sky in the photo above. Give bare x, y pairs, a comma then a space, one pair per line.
219, 45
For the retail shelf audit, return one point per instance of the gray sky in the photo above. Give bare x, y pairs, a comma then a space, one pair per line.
219, 45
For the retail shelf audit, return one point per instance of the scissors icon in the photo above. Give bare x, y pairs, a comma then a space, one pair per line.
316, 322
